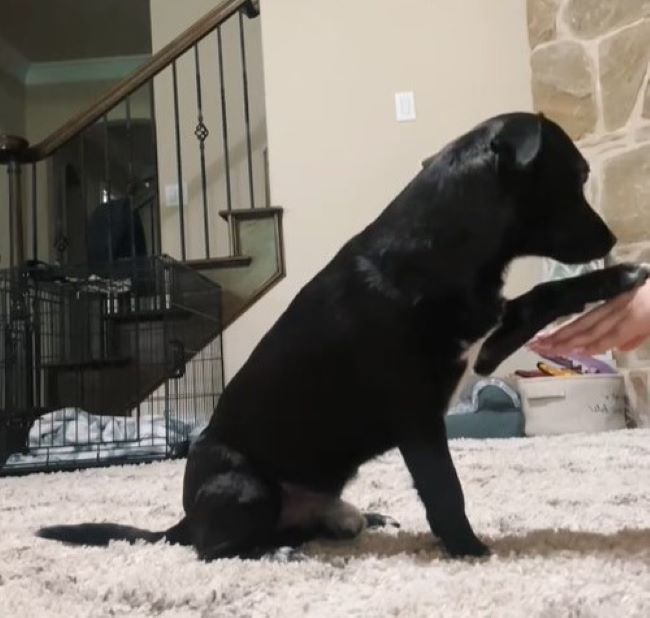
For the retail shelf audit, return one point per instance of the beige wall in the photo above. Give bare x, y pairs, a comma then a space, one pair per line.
51, 105
337, 155
12, 105
12, 121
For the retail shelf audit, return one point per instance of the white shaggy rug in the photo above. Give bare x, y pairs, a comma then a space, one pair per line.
568, 519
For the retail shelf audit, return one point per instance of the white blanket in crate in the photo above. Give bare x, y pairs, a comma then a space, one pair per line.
75, 435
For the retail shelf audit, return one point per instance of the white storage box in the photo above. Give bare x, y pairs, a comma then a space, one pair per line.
585, 403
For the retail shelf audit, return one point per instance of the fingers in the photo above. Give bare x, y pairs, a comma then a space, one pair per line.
607, 331
587, 329
630, 345
611, 339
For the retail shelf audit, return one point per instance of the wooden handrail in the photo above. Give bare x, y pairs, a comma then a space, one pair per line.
158, 62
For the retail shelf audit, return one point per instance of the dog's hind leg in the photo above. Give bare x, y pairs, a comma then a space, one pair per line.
343, 520
319, 514
234, 513
238, 515
377, 520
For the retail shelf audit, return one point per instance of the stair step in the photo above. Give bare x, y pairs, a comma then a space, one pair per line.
148, 315
93, 363
250, 213
233, 261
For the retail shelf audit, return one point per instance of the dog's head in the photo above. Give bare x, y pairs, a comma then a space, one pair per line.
541, 168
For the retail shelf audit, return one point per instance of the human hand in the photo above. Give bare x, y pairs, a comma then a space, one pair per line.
622, 323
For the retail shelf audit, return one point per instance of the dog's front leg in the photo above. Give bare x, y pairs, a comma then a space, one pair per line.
429, 461
526, 315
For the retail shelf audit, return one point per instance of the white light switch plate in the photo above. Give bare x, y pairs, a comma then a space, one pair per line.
172, 197
405, 106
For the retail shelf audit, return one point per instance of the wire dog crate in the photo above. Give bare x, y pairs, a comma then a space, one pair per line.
105, 365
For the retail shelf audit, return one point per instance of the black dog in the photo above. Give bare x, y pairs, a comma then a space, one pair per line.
369, 353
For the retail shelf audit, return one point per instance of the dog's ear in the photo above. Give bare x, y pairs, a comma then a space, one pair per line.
518, 142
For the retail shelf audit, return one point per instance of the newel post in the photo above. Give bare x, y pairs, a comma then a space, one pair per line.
12, 152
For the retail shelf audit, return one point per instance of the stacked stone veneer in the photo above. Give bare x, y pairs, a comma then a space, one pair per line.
589, 62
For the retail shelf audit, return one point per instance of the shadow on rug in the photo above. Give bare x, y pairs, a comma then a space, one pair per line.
422, 546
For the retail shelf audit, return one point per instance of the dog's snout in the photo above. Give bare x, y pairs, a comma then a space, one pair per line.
580, 239
608, 241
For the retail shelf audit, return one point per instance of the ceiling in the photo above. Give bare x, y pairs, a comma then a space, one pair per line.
56, 30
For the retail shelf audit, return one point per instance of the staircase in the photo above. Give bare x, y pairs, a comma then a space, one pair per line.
112, 313
257, 265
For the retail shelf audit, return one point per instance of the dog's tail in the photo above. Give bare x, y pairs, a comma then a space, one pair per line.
103, 534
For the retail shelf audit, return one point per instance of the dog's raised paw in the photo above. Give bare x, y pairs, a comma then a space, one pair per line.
630, 276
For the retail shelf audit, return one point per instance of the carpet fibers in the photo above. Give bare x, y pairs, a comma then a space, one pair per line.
568, 519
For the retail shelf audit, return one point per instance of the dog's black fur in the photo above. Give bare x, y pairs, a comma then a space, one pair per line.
369, 353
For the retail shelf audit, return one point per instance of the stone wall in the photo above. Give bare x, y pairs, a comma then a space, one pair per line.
589, 61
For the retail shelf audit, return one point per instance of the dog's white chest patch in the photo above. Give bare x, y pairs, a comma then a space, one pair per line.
469, 356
